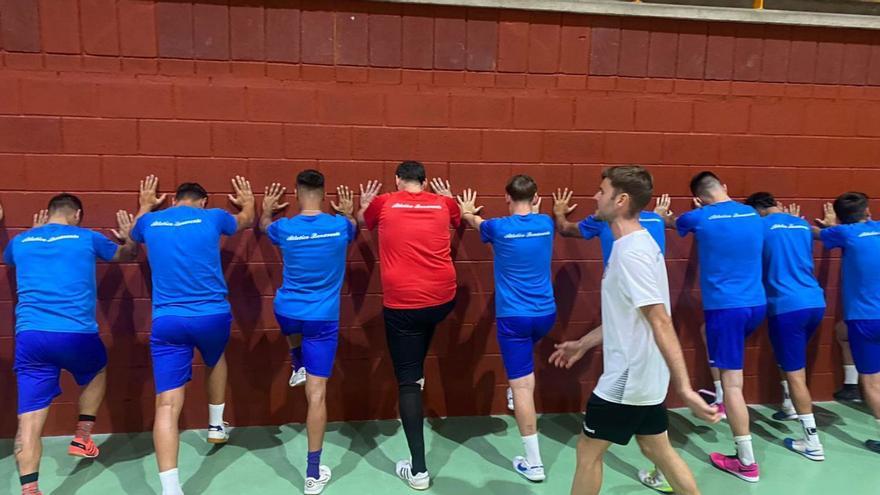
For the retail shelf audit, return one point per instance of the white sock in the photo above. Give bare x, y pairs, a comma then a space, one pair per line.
533, 452
170, 482
719, 392
215, 414
811, 434
850, 374
744, 450
786, 397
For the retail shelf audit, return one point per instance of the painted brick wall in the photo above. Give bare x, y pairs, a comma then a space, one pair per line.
94, 94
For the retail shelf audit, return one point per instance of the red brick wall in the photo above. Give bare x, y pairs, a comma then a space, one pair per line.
94, 94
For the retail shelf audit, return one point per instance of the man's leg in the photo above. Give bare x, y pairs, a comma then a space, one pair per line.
316, 422
588, 473
297, 363
90, 400
658, 449
166, 438
714, 372
29, 447
850, 390
215, 382
319, 342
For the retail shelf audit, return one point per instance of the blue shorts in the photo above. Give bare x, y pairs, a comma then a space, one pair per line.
40, 357
726, 334
173, 341
864, 342
790, 333
318, 345
517, 336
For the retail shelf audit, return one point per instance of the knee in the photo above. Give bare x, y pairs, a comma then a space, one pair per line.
316, 394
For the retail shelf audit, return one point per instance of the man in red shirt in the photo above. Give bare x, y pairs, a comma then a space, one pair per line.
418, 281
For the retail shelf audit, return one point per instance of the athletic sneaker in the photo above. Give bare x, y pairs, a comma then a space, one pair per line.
421, 382
712, 399
813, 453
529, 472
732, 465
785, 415
873, 445
421, 481
218, 434
316, 486
849, 393
298, 377
83, 448
722, 411
509, 399
654, 479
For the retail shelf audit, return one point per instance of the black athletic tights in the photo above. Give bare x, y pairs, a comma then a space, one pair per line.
409, 333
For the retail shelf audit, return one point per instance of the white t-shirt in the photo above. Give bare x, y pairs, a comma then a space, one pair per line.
635, 372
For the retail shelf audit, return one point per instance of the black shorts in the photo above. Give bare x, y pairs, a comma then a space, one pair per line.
617, 423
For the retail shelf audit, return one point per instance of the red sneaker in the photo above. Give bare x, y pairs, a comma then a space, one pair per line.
83, 448
732, 465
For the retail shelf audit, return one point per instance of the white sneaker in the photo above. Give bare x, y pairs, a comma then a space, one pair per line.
421, 481
298, 377
218, 434
509, 399
655, 480
421, 383
529, 472
316, 486
811, 452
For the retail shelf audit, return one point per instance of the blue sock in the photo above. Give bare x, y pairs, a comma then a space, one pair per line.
296, 357
314, 468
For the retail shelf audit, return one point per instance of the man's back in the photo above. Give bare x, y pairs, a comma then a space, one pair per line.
314, 250
55, 273
183, 247
861, 267
414, 252
788, 265
730, 243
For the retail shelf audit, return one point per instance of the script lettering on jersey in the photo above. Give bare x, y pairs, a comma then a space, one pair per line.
789, 226
735, 215
417, 206
314, 235
870, 234
527, 234
181, 223
50, 239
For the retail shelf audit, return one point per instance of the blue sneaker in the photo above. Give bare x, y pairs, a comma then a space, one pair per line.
527, 471
811, 452
873, 445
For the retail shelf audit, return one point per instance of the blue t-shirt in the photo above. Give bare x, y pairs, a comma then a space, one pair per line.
183, 247
730, 242
788, 265
591, 227
861, 267
523, 248
313, 249
55, 272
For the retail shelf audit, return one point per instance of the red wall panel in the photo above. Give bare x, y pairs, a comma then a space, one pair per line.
208, 90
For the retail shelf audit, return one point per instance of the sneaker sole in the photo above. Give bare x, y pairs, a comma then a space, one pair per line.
218, 440
533, 480
658, 490
83, 456
744, 478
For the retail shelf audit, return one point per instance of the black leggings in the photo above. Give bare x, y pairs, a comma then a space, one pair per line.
409, 333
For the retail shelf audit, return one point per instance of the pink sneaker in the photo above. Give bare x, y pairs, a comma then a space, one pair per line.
721, 410
732, 465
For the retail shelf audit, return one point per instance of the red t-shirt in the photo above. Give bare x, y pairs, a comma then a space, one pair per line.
414, 253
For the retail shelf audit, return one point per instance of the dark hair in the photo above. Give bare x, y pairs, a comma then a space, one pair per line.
190, 190
65, 201
703, 182
412, 171
633, 180
310, 179
851, 207
761, 201
521, 188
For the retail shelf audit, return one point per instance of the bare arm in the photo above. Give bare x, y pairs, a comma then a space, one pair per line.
670, 348
271, 198
469, 210
244, 200
561, 210
368, 194
128, 250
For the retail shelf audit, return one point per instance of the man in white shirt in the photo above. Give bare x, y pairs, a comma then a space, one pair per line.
640, 347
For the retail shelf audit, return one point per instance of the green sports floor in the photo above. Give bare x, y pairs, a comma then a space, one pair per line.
465, 455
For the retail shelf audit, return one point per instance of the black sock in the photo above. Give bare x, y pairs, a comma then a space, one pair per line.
86, 417
29, 478
413, 424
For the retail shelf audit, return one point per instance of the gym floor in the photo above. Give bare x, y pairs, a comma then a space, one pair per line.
465, 455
